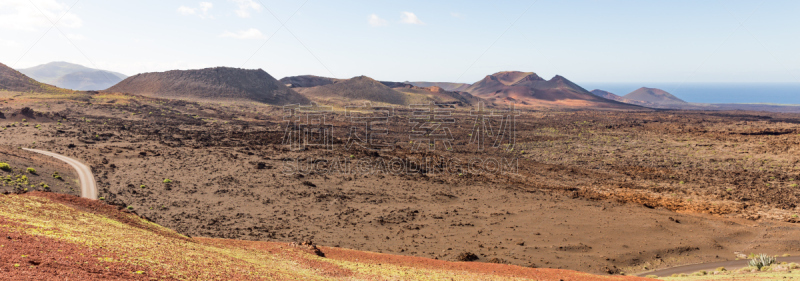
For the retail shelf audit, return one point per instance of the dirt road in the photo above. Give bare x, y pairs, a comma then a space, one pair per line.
692, 268
88, 185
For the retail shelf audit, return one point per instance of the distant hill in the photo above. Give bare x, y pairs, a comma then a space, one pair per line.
14, 81
653, 95
680, 104
420, 95
528, 89
607, 95
73, 76
365, 89
612, 96
447, 86
359, 88
211, 84
305, 81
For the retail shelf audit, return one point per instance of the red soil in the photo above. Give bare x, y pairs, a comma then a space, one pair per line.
24, 257
100, 208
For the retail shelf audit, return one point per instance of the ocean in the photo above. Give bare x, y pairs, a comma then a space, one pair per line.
769, 93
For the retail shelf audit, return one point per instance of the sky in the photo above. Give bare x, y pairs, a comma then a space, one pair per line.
592, 41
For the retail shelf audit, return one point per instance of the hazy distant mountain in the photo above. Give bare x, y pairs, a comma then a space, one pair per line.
447, 86
528, 89
211, 84
14, 81
653, 95
73, 76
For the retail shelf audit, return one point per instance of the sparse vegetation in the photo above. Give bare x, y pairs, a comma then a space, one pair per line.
204, 258
167, 181
761, 261
31, 171
5, 167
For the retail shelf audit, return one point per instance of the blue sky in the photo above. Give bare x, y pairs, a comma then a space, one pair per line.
457, 41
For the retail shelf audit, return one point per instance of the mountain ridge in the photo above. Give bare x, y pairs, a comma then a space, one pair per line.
528, 89
211, 84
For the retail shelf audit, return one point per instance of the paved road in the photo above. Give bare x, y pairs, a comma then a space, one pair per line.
88, 185
692, 268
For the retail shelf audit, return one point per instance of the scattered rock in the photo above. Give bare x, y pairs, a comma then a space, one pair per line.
27, 112
611, 270
466, 256
308, 245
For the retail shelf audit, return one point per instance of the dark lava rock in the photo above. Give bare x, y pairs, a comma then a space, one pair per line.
467, 256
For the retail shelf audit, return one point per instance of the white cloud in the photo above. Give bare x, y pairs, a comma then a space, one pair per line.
457, 15
375, 20
73, 36
186, 10
245, 6
206, 6
244, 34
36, 14
9, 43
202, 11
411, 18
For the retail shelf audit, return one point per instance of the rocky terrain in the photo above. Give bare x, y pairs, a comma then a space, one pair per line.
596, 191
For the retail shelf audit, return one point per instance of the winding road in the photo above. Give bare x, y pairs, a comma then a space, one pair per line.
88, 185
692, 268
